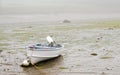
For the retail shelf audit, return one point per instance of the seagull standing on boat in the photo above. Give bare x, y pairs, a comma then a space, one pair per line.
50, 41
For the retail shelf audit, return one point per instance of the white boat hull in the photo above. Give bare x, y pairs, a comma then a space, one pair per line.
41, 55
39, 59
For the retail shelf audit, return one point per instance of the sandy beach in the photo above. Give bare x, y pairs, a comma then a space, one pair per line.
91, 47
88, 29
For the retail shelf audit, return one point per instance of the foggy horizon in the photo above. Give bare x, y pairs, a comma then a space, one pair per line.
59, 6
42, 11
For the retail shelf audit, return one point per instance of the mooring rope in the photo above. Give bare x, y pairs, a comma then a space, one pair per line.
34, 65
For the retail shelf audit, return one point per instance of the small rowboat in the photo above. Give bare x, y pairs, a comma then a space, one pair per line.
40, 52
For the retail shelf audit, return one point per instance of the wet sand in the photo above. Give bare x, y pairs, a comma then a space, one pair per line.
91, 48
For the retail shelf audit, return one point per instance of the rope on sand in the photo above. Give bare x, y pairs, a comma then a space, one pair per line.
35, 66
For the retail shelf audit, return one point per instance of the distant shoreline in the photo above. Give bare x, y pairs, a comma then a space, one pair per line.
53, 18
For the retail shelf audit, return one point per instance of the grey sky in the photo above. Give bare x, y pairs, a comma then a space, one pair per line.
61, 6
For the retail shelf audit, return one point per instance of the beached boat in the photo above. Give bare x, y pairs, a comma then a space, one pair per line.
39, 52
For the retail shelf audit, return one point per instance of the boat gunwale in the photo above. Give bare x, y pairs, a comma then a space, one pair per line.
44, 49
47, 48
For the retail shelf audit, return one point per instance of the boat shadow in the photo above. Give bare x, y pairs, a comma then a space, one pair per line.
43, 67
48, 63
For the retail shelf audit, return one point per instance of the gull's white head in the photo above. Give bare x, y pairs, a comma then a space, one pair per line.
49, 39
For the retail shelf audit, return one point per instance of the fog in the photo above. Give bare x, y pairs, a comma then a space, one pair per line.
42, 11
59, 6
